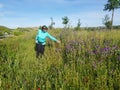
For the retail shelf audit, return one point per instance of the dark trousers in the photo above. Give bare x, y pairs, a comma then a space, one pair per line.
39, 50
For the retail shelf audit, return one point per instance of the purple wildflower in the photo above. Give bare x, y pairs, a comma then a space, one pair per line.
106, 49
94, 51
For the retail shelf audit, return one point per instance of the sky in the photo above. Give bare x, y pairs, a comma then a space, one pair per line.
33, 13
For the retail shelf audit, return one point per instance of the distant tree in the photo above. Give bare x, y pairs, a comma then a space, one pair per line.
40, 27
78, 25
111, 6
52, 23
107, 22
65, 21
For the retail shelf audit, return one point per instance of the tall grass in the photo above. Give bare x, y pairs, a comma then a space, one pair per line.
85, 60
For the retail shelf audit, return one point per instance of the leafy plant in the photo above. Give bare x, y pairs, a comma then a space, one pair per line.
52, 23
65, 21
111, 6
78, 25
107, 22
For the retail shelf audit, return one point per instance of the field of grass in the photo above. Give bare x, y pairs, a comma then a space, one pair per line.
85, 60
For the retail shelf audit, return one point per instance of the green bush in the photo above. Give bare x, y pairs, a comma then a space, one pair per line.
17, 33
4, 29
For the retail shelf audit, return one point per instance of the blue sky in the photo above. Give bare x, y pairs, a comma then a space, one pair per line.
27, 13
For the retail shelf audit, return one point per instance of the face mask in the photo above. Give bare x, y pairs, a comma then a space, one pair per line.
44, 31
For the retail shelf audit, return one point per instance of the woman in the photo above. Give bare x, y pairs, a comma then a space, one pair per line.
41, 40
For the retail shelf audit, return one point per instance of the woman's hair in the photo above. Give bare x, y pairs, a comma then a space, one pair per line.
45, 27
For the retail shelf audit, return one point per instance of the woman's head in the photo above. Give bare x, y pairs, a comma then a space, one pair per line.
44, 27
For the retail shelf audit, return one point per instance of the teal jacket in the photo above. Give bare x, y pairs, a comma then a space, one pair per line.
41, 37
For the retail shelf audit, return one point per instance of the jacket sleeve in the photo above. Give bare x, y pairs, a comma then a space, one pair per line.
36, 38
51, 37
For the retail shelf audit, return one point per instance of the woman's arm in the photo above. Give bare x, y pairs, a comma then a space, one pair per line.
52, 38
36, 38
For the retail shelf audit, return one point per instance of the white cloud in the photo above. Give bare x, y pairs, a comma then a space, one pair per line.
116, 17
6, 13
1, 5
77, 1
13, 22
89, 18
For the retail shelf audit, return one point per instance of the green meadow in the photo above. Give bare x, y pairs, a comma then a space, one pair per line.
85, 60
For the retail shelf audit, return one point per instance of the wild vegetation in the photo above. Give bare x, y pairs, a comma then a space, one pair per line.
85, 60
4, 30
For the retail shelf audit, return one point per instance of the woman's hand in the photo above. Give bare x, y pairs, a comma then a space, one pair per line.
58, 41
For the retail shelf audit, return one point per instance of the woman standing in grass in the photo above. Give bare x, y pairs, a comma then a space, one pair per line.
41, 40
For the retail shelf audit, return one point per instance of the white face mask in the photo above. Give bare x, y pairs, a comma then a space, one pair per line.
44, 30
